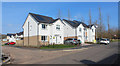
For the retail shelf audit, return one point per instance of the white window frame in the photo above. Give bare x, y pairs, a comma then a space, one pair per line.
92, 30
44, 26
44, 38
57, 27
80, 29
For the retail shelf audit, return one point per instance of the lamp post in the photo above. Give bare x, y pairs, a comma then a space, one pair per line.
96, 30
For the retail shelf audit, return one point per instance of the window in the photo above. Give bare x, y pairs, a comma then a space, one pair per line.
85, 29
86, 37
92, 30
84, 34
80, 29
58, 27
30, 27
44, 26
44, 38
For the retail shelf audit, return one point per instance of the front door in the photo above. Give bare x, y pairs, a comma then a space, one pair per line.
57, 39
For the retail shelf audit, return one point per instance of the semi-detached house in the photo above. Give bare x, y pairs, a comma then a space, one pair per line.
79, 30
44, 30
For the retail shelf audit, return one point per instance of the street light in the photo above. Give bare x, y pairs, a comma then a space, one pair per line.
96, 30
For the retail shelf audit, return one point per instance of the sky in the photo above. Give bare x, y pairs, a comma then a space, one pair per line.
15, 13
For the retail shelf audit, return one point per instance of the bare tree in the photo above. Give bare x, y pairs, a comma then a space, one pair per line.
69, 14
95, 22
90, 17
100, 23
59, 13
108, 27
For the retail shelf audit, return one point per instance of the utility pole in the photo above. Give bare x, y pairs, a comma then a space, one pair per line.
68, 14
90, 17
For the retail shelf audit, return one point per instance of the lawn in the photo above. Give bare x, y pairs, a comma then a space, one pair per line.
56, 46
60, 46
115, 40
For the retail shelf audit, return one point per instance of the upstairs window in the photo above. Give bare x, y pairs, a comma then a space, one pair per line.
44, 26
58, 27
85, 29
80, 29
92, 30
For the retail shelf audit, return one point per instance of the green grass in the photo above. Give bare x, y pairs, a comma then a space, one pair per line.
60, 46
89, 42
115, 40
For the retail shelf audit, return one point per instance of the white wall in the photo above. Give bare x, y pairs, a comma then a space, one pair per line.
80, 34
55, 32
91, 35
68, 30
32, 26
51, 32
46, 31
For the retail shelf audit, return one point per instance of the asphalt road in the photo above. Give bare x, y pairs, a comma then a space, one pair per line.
95, 54
100, 54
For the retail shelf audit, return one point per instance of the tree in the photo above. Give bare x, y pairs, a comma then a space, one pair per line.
90, 17
69, 15
101, 26
108, 27
59, 14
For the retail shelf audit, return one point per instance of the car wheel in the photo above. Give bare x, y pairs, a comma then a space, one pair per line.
71, 43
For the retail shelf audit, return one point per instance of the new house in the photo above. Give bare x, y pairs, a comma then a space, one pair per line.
79, 30
44, 30
12, 37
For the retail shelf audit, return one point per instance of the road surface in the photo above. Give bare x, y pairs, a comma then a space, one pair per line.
98, 54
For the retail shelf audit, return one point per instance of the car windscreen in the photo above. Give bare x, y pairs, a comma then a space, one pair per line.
103, 39
75, 39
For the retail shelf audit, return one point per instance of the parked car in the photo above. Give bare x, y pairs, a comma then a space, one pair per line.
10, 43
98, 40
104, 41
72, 41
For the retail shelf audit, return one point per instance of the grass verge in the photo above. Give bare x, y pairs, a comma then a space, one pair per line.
115, 40
60, 46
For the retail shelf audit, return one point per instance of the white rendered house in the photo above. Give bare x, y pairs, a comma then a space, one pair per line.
79, 30
43, 30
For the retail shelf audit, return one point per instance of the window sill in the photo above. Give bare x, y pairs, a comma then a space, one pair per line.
44, 41
58, 29
44, 29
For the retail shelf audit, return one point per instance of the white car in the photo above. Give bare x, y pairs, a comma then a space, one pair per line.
104, 41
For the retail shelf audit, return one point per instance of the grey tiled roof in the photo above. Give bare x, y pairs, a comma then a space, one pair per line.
75, 23
42, 19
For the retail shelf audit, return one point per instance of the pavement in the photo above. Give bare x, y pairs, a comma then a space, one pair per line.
87, 54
